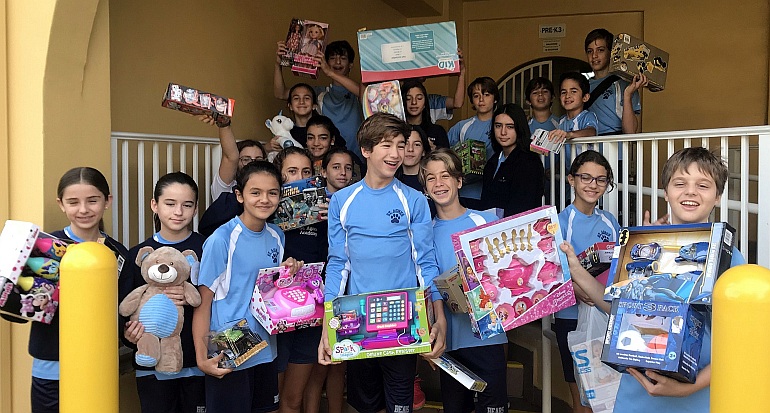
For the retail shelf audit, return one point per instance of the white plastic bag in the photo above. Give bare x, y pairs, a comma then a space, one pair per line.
597, 382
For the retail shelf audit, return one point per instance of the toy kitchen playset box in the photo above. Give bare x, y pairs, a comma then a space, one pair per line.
379, 324
514, 271
282, 302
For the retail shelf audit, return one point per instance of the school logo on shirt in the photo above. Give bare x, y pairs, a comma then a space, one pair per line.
395, 215
273, 254
605, 236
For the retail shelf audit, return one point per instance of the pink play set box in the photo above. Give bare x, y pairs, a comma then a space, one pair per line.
514, 271
282, 302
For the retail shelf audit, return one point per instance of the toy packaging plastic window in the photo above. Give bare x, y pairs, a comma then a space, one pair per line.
237, 342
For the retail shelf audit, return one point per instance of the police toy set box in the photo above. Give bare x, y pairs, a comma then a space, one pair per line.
678, 263
408, 52
197, 102
29, 272
632, 56
514, 271
379, 324
664, 336
306, 38
283, 302
300, 203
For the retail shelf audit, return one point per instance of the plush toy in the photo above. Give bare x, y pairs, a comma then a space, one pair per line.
280, 127
160, 346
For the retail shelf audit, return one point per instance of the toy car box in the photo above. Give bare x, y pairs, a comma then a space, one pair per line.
450, 285
540, 143
515, 272
305, 39
197, 102
677, 263
462, 374
383, 97
380, 324
300, 203
597, 258
663, 336
408, 52
237, 342
631, 56
283, 302
473, 155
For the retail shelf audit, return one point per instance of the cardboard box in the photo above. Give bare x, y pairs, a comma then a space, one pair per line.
473, 155
597, 258
282, 302
383, 97
379, 324
300, 203
632, 56
663, 336
238, 343
450, 285
462, 374
540, 143
514, 270
677, 263
408, 52
16, 243
196, 102
305, 39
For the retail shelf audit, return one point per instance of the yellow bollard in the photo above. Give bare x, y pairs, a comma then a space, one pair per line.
740, 362
88, 331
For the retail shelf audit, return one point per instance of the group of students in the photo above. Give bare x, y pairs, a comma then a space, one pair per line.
382, 233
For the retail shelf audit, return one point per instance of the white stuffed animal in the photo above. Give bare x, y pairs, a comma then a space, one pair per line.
280, 127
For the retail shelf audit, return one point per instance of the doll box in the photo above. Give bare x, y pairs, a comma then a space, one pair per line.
237, 342
16, 243
597, 258
473, 156
300, 203
282, 302
379, 324
450, 285
515, 272
677, 263
408, 52
663, 336
197, 102
305, 39
631, 56
540, 143
462, 374
383, 97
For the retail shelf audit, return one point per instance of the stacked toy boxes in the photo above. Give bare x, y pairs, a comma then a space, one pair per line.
514, 271
283, 302
29, 272
660, 285
632, 56
380, 324
306, 38
197, 102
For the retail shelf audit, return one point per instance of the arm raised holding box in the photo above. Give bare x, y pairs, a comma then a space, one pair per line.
351, 85
630, 120
279, 86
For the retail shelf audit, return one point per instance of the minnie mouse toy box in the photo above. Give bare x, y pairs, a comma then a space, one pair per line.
283, 302
514, 271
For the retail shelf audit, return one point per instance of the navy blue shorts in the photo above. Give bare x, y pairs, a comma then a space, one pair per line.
184, 395
562, 326
253, 390
44, 395
382, 383
297, 347
488, 362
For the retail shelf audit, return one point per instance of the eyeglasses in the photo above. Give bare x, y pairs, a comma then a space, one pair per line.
587, 179
247, 159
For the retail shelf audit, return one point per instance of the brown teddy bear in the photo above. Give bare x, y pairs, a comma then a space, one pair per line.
160, 346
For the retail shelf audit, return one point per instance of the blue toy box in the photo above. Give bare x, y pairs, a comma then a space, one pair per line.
407, 52
678, 263
663, 336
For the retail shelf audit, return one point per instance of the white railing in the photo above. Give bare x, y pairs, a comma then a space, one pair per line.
134, 176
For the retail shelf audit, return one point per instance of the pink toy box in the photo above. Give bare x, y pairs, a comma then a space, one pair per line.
305, 39
515, 272
29, 272
282, 302
380, 324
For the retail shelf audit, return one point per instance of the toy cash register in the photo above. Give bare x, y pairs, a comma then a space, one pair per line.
388, 315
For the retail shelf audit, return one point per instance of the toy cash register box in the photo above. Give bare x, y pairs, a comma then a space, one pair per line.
282, 302
381, 324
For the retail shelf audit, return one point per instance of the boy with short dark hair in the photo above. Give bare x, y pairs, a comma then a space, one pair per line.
539, 95
693, 180
381, 238
576, 122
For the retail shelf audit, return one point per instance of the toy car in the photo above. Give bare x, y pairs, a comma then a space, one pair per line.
695, 252
649, 251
